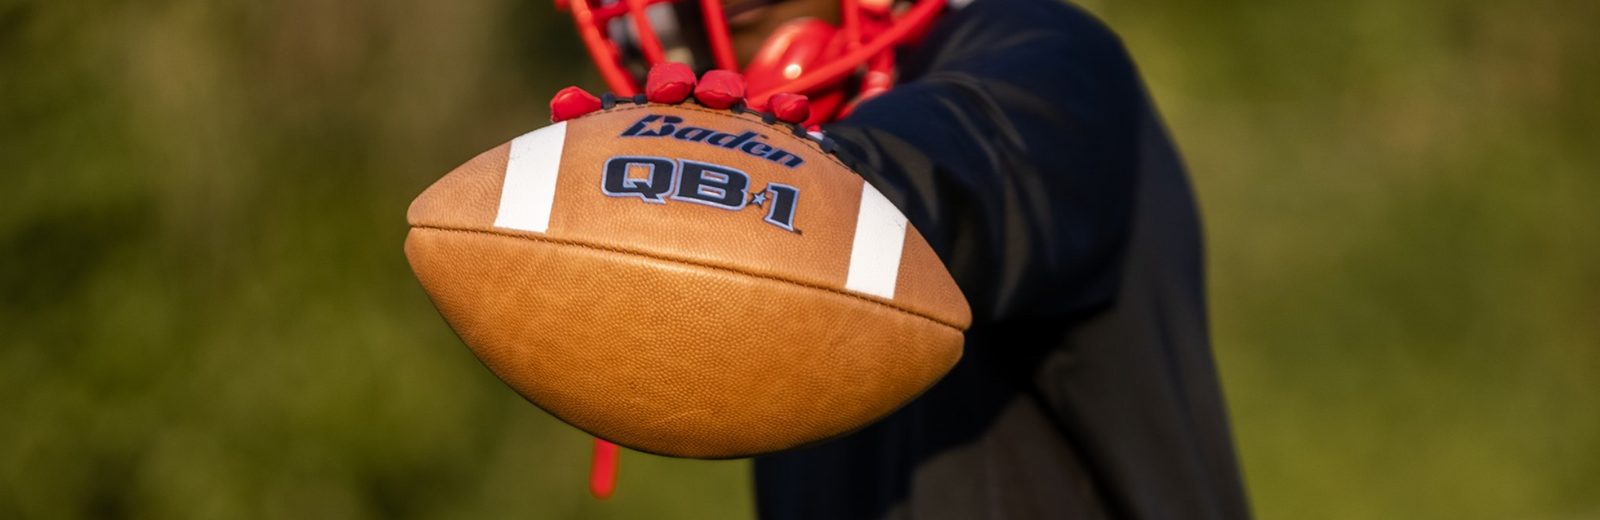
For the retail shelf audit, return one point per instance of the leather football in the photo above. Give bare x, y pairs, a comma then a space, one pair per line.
687, 281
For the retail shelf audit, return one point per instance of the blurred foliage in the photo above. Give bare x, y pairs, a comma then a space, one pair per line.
1404, 245
206, 313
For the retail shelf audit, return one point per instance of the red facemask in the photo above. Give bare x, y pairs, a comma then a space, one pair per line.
836, 67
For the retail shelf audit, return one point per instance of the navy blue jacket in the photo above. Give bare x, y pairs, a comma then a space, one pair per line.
1023, 146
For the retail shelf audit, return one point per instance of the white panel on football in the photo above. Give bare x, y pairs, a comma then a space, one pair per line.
530, 185
875, 255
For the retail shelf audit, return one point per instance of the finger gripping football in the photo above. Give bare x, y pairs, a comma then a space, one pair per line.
687, 281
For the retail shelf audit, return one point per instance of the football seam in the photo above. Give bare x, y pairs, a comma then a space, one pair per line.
707, 265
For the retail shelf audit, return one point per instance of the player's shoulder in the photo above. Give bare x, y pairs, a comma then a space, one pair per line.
1014, 16
1035, 31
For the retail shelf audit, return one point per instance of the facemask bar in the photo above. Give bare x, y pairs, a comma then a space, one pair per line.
871, 31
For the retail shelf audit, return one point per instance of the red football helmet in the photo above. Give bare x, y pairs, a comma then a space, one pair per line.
804, 56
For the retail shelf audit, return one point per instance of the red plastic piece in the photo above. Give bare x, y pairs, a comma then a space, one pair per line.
717, 31
792, 108
720, 89
603, 473
792, 50
601, 49
920, 15
649, 43
669, 83
572, 102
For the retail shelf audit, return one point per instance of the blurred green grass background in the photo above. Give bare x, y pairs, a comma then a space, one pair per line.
205, 312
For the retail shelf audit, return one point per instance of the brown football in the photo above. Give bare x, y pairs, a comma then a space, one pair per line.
687, 281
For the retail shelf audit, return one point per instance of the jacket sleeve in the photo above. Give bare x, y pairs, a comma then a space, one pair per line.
1013, 152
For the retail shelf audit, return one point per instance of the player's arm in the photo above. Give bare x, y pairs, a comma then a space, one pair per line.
1013, 152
